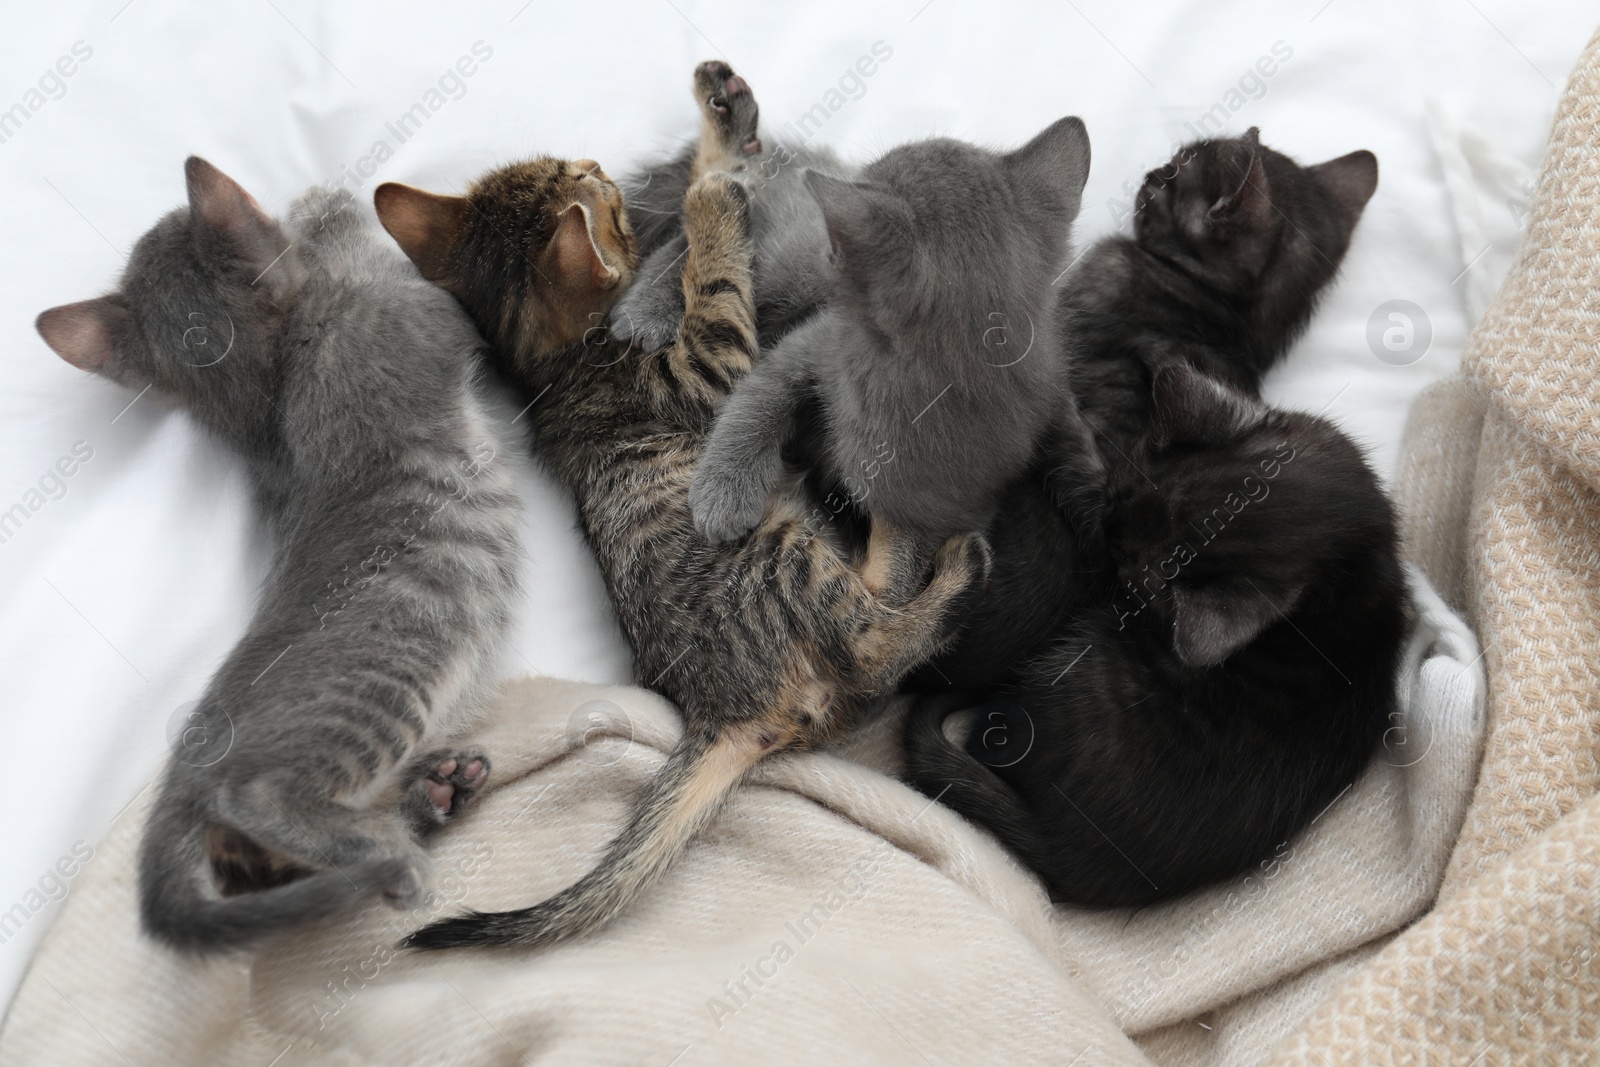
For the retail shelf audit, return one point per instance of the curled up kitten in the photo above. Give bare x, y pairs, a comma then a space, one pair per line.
313, 766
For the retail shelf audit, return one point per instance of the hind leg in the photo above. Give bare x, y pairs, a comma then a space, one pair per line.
729, 117
275, 812
439, 787
895, 566
907, 635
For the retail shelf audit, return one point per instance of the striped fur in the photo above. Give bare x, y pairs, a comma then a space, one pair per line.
772, 643
351, 386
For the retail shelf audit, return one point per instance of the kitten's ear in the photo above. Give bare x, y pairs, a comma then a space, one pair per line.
1058, 158
224, 208
1352, 180
86, 334
577, 253
1214, 621
852, 211
1194, 408
425, 225
1249, 204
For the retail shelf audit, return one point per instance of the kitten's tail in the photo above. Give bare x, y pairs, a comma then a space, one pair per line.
958, 781
675, 806
179, 907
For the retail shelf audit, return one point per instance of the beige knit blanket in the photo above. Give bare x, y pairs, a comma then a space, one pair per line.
1433, 914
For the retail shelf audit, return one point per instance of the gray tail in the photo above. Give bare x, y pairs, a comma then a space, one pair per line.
179, 906
958, 781
674, 806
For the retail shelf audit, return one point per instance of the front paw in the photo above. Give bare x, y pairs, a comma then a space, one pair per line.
639, 329
726, 509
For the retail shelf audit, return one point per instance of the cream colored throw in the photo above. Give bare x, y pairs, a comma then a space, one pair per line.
1436, 913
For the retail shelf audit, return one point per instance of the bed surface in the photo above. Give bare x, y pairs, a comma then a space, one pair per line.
127, 581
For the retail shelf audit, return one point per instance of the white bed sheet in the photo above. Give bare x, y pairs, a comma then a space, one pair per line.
127, 586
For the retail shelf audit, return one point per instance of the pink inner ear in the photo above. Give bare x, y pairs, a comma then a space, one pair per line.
223, 203
81, 333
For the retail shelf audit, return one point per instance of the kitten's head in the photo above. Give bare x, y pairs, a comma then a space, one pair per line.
536, 252
1231, 514
1232, 212
197, 314
938, 233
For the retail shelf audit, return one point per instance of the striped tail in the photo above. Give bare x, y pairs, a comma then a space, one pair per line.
674, 807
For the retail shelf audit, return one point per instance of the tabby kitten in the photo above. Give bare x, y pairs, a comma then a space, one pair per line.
938, 365
776, 643
1231, 667
350, 386
786, 228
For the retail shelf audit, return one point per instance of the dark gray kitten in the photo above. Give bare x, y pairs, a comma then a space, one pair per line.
351, 386
938, 365
786, 227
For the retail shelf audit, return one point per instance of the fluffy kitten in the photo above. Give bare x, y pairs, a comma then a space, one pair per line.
772, 644
938, 363
1229, 668
349, 384
1233, 244
786, 228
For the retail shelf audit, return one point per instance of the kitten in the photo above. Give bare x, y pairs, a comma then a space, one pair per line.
350, 386
938, 363
773, 644
1225, 682
1233, 245
1230, 668
786, 227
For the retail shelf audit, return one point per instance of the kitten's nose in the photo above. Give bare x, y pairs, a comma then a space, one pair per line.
589, 166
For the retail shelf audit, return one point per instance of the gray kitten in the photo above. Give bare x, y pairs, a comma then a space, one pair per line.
351, 386
936, 364
786, 229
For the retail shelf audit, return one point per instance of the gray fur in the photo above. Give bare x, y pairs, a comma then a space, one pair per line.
786, 229
351, 385
937, 361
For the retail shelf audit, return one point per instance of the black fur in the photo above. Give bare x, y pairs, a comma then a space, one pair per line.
1229, 658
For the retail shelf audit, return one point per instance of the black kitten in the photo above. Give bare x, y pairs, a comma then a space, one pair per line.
1233, 244
1229, 658
1229, 676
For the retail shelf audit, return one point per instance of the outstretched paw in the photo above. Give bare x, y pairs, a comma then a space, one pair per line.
728, 106
442, 785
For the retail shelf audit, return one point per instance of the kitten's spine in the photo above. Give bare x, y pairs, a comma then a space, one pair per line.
676, 804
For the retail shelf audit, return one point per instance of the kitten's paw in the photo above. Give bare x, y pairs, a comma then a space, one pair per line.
965, 554
711, 200
643, 327
395, 878
728, 106
443, 784
725, 509
405, 891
